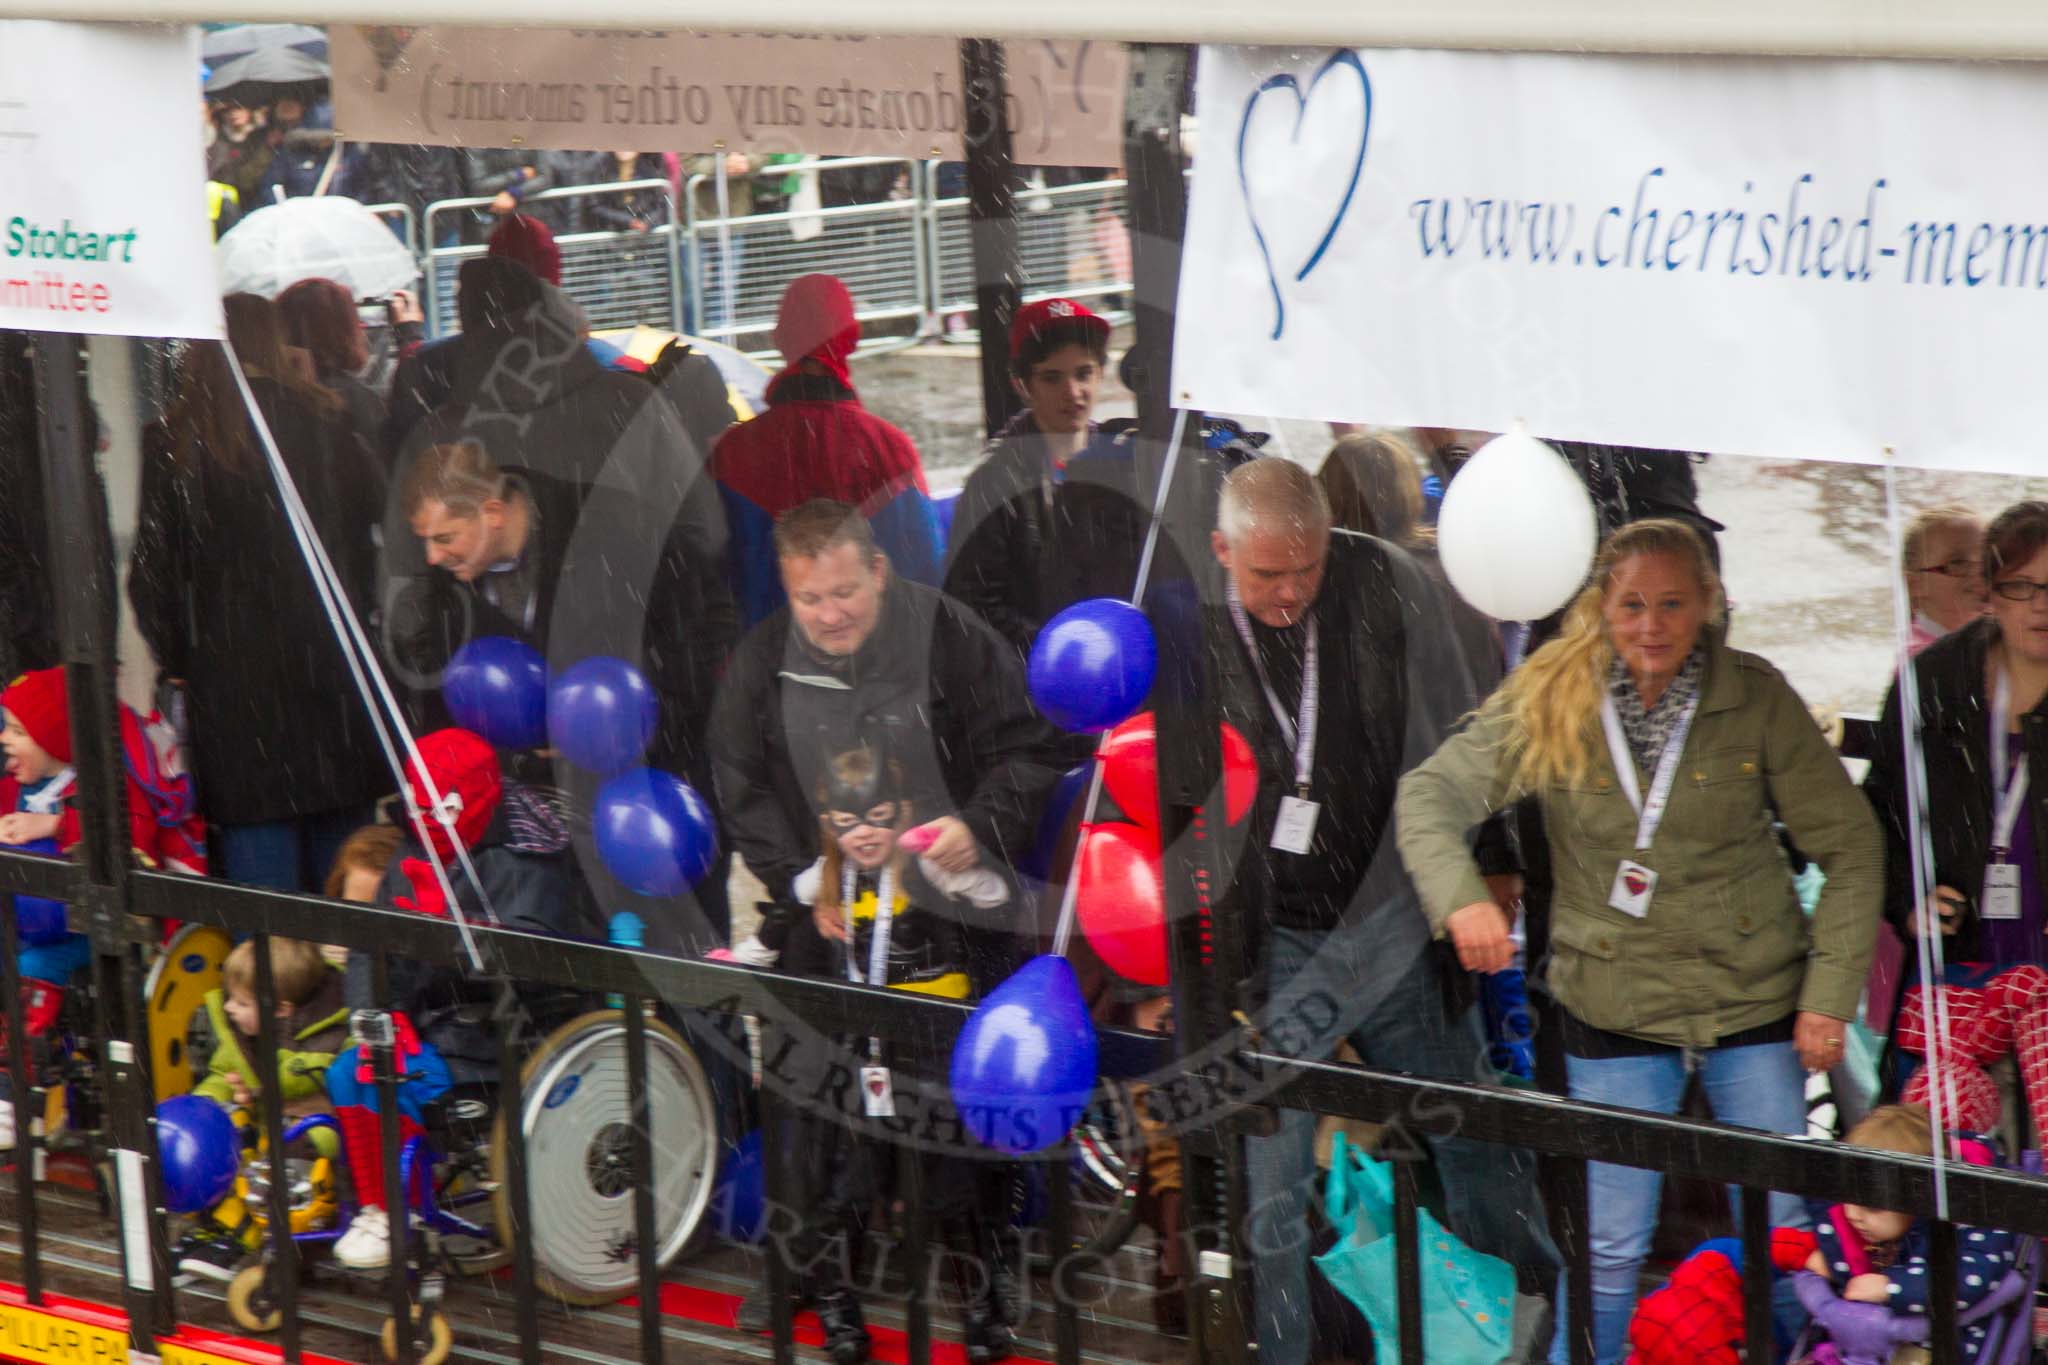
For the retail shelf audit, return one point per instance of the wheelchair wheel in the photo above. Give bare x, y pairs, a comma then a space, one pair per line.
1109, 1156
186, 969
579, 1155
429, 1348
249, 1302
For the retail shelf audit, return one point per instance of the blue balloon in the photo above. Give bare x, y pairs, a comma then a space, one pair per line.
1062, 810
739, 1199
498, 687
601, 713
654, 832
1092, 665
199, 1150
1024, 1066
37, 919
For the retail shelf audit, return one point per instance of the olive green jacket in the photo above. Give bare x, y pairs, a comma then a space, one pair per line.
1725, 946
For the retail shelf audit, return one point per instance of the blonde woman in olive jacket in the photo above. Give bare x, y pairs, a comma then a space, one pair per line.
1660, 757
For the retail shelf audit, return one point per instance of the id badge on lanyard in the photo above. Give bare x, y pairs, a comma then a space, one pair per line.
1636, 882
2001, 898
877, 1087
1294, 827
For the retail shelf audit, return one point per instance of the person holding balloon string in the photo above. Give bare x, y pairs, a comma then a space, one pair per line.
1660, 758
897, 918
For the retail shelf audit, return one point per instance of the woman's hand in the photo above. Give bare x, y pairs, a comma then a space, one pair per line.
831, 922
1946, 905
1818, 1265
1480, 934
1818, 1040
1868, 1289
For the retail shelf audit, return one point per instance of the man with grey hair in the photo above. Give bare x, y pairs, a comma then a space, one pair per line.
1345, 677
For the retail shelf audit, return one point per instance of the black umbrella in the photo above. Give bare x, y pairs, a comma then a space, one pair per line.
239, 40
257, 78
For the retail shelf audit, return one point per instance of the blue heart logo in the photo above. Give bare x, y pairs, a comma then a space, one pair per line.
1349, 60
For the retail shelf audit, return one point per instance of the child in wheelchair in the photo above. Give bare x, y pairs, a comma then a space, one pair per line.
440, 1016
310, 1025
892, 919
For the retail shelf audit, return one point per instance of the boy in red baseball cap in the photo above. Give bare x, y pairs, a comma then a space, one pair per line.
1046, 518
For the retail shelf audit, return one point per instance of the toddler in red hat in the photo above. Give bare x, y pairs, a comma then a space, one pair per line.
36, 795
38, 814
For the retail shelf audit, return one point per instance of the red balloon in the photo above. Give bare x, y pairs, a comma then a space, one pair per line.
1122, 900
1130, 769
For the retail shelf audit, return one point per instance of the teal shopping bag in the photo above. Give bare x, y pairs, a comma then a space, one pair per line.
1468, 1300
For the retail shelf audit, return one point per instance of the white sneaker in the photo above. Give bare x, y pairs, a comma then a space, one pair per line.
367, 1243
751, 952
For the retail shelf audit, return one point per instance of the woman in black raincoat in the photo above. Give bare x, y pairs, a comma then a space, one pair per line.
287, 761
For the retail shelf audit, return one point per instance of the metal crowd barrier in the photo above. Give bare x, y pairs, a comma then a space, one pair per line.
903, 260
1073, 238
619, 277
400, 217
874, 248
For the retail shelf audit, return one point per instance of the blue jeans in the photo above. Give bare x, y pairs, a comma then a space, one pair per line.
1376, 984
287, 855
1761, 1086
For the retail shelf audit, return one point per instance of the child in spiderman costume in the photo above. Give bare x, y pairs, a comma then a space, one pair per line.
440, 1014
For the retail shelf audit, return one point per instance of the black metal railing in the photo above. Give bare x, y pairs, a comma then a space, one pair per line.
1569, 1131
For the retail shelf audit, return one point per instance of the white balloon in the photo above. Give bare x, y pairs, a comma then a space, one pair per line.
1516, 532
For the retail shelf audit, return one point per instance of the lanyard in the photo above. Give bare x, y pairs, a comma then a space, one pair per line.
1300, 734
878, 943
2012, 789
1650, 809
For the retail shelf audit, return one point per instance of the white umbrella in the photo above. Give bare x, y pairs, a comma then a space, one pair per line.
330, 238
239, 40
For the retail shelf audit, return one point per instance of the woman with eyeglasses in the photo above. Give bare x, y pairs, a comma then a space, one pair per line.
1983, 727
1943, 563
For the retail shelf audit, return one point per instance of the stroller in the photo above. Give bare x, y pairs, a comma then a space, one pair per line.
1846, 1333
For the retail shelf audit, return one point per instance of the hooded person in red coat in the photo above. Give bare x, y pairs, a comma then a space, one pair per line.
817, 441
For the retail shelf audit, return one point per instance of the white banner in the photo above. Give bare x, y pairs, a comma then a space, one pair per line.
103, 225
1814, 259
585, 90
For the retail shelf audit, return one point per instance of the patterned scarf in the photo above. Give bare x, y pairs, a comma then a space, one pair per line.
1649, 730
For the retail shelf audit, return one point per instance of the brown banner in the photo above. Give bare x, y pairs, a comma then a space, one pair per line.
698, 92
